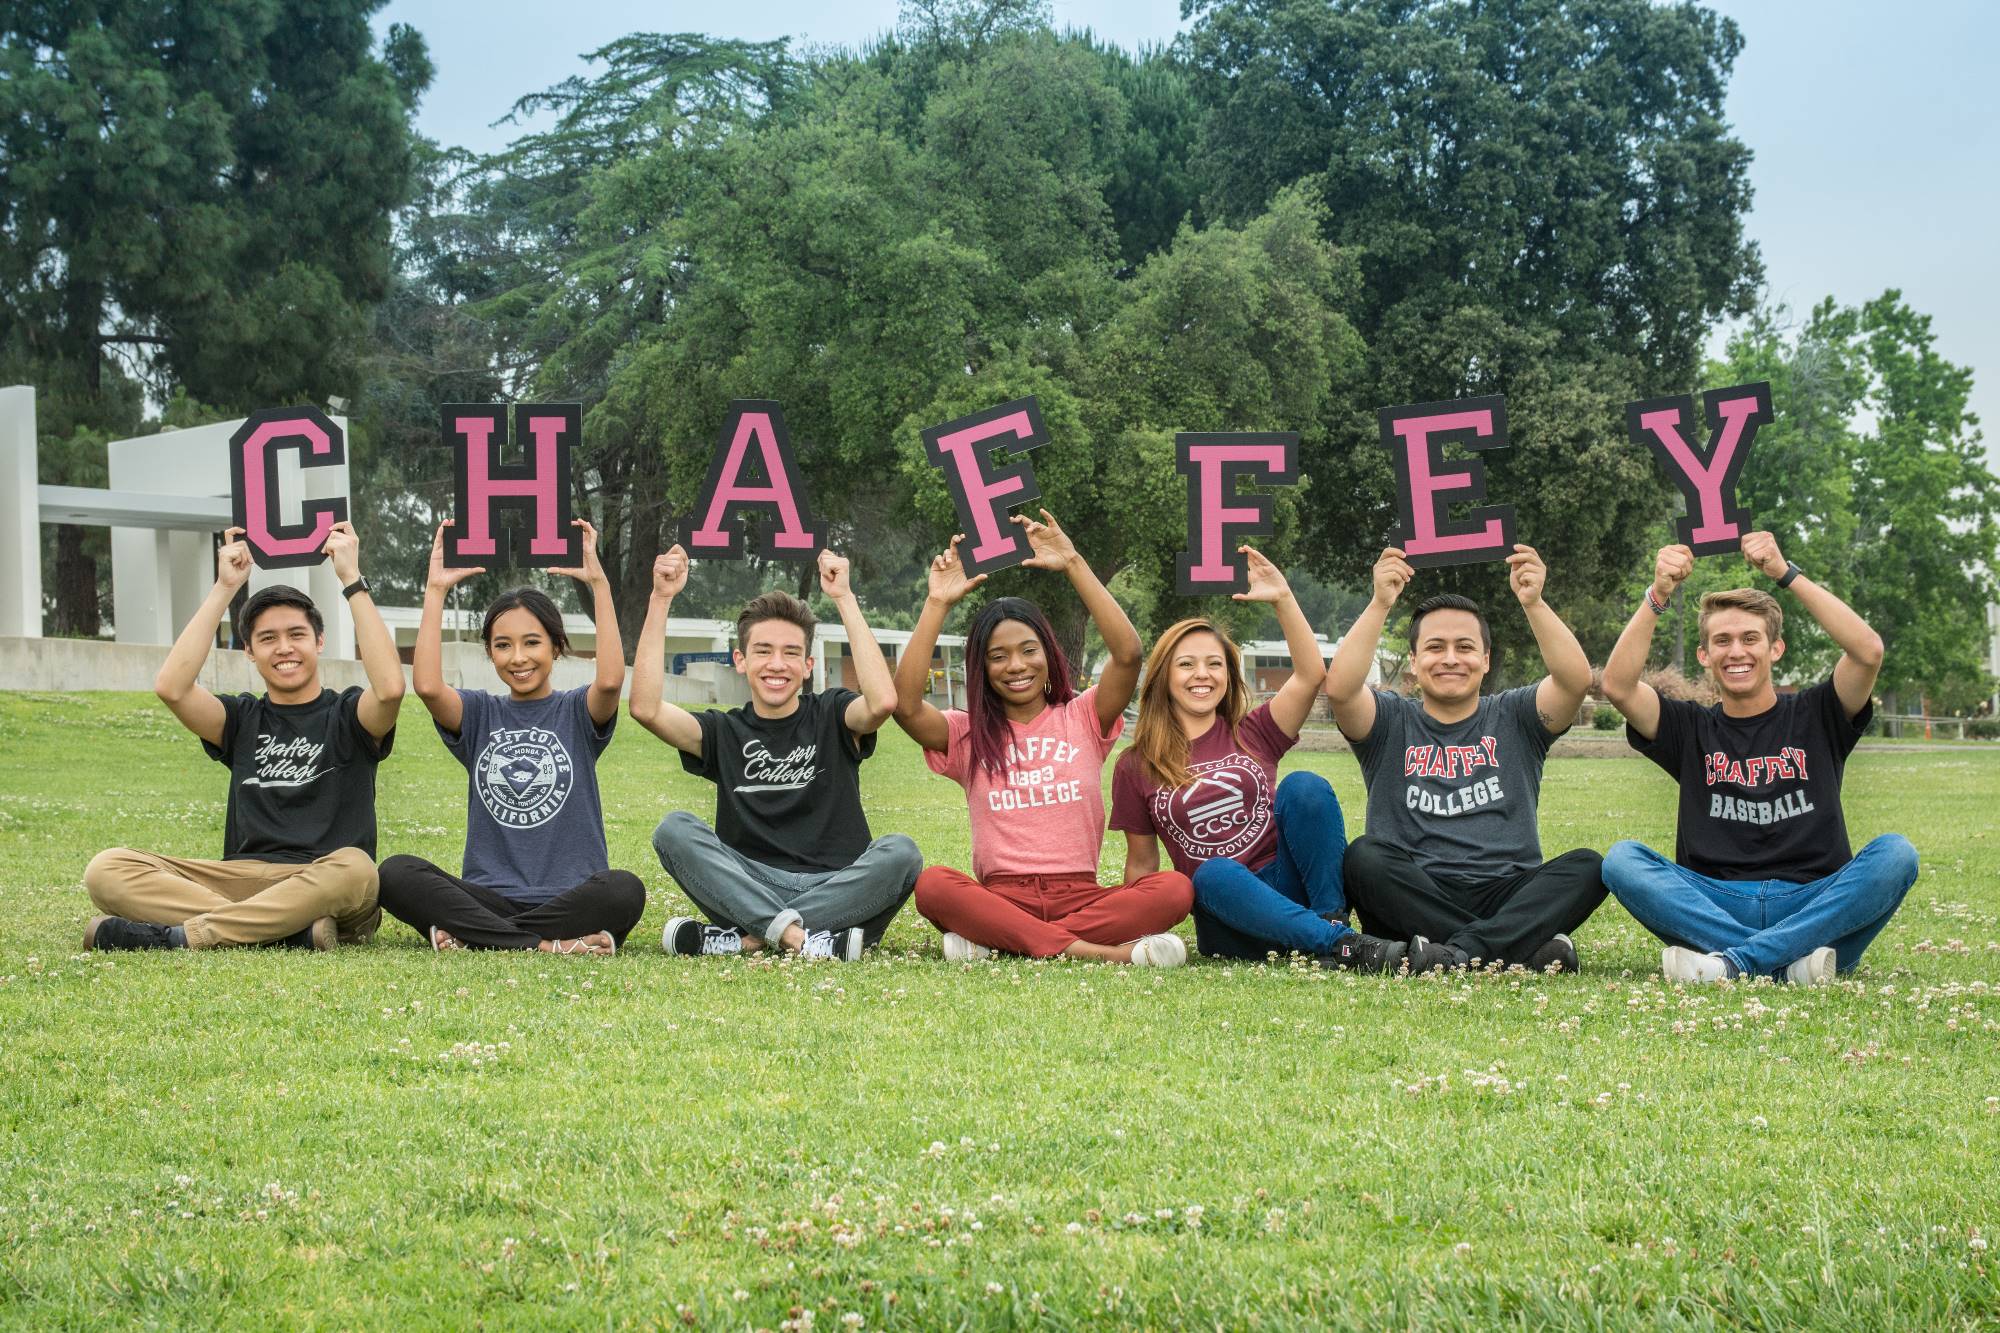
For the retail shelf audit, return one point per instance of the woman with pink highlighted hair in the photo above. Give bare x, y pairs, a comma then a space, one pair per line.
1029, 751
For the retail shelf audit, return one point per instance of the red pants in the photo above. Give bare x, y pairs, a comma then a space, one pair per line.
1041, 915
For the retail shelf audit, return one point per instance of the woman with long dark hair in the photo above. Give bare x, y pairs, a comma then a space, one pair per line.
1202, 775
536, 873
1029, 751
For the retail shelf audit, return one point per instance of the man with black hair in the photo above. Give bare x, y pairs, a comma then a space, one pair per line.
1452, 859
298, 847
789, 861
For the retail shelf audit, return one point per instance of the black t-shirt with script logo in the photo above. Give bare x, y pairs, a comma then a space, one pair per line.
301, 776
787, 790
1760, 796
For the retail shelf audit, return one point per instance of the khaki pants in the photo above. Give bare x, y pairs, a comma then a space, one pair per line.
235, 902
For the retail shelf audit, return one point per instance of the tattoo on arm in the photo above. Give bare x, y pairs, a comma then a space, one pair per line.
1548, 722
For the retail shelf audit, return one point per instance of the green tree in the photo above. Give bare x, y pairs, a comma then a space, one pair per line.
1544, 201
192, 197
1873, 477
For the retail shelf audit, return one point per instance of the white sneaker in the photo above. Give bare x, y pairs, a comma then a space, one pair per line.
1159, 951
1814, 969
842, 946
1679, 964
958, 949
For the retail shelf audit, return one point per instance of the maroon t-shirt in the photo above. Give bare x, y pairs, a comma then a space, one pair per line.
1224, 811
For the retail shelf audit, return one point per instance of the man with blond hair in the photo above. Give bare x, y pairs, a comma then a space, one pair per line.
1762, 882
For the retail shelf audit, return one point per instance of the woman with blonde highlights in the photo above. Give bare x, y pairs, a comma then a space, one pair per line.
1202, 773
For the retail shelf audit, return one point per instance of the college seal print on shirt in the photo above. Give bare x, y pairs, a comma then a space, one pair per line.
524, 776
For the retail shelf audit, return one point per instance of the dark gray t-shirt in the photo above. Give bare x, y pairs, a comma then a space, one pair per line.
534, 825
1460, 799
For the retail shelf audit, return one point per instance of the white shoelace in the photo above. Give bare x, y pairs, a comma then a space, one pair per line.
716, 941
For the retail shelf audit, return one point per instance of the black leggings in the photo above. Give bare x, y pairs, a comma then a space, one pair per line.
418, 893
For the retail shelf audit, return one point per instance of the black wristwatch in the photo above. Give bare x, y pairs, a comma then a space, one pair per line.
361, 585
1791, 572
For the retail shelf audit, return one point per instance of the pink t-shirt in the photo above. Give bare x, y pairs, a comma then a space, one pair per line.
1044, 815
1225, 811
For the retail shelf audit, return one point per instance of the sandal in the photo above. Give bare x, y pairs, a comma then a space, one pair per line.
443, 941
582, 944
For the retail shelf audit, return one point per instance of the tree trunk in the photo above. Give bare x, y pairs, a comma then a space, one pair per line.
77, 609
1072, 626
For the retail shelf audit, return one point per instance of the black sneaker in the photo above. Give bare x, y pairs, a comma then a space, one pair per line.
321, 936
115, 932
1356, 952
1425, 956
839, 946
1558, 955
690, 937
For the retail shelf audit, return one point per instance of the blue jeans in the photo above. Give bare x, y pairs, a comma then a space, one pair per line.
1762, 926
1283, 908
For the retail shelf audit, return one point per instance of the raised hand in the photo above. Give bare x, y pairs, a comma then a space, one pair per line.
1267, 581
947, 581
1526, 574
232, 560
1670, 570
440, 577
1760, 550
1392, 575
670, 572
1053, 548
833, 576
343, 548
590, 571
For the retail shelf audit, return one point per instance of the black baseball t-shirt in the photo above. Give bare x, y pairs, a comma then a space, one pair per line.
301, 776
787, 789
1760, 796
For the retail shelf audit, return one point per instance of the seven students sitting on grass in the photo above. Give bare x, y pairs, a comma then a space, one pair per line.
536, 874
1450, 873
298, 843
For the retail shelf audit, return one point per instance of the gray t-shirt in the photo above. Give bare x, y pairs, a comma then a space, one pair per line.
534, 825
1460, 799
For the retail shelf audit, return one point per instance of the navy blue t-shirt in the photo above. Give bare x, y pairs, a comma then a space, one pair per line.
534, 824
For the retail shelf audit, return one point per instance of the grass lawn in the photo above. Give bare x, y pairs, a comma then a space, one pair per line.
385, 1137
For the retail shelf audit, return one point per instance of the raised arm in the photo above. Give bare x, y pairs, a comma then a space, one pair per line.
1860, 647
1294, 699
877, 703
382, 701
1638, 701
1054, 550
1347, 674
427, 660
178, 682
1561, 692
610, 678
670, 722
946, 588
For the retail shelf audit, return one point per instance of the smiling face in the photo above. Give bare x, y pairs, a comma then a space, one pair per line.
285, 651
774, 659
522, 653
1198, 680
1450, 656
1738, 650
1017, 668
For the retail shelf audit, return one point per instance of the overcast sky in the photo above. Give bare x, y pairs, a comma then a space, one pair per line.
1877, 145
